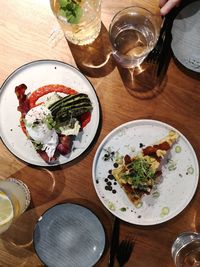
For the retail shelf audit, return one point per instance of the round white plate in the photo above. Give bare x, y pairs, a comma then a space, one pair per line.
176, 189
69, 235
35, 75
185, 33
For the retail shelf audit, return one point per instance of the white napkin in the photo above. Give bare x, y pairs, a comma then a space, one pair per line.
186, 36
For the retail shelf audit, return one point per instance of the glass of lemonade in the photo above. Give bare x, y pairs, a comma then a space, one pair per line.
14, 200
186, 250
133, 34
80, 20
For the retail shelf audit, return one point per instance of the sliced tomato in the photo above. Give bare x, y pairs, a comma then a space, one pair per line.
49, 89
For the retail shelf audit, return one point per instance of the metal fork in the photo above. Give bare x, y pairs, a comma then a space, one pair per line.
154, 55
124, 251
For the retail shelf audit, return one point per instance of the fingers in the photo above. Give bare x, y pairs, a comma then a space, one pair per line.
162, 3
167, 5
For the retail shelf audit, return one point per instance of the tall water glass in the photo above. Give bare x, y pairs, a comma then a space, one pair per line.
186, 250
80, 20
133, 34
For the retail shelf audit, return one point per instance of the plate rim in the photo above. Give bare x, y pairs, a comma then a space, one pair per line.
179, 59
150, 121
44, 164
81, 206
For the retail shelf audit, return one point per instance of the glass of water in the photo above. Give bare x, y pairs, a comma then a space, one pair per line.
186, 250
133, 34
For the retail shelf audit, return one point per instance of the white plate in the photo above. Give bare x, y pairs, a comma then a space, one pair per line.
177, 188
35, 75
69, 235
185, 33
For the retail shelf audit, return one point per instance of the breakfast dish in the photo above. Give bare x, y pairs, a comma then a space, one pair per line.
138, 175
27, 127
52, 125
166, 195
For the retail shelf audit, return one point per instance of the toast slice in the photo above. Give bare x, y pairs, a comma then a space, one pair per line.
138, 175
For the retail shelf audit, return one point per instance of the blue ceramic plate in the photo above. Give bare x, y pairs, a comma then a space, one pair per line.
185, 33
69, 235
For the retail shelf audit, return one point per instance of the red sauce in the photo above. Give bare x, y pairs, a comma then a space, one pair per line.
49, 89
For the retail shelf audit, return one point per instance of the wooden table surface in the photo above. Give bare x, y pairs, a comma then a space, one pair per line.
30, 32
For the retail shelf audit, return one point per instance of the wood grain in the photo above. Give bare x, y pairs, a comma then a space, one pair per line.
25, 30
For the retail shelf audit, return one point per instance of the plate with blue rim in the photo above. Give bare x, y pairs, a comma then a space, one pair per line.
70, 235
185, 36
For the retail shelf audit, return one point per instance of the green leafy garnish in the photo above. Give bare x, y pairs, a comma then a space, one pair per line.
109, 154
123, 209
140, 174
49, 122
37, 145
71, 10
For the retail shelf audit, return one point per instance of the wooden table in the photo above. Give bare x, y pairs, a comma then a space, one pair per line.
29, 32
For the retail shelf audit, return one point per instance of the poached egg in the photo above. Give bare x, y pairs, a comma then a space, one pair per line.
38, 130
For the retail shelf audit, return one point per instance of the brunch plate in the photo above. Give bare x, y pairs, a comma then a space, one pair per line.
69, 233
180, 173
35, 75
185, 33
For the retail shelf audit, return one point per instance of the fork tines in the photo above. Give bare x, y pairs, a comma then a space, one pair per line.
125, 249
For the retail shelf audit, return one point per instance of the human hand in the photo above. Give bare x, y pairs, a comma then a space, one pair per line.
167, 5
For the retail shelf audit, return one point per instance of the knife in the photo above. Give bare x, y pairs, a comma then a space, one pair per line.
114, 241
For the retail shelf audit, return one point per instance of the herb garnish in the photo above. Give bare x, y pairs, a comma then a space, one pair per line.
71, 10
139, 174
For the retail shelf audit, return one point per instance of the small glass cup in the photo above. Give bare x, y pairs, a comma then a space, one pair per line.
16, 195
80, 20
186, 250
133, 34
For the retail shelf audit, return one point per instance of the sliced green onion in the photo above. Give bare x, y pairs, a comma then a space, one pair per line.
172, 165
123, 209
164, 211
178, 149
156, 194
190, 170
139, 205
111, 205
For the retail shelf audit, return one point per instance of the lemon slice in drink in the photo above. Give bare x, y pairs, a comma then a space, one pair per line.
6, 209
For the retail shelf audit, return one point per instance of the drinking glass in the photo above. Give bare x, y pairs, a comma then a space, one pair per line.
133, 34
186, 250
80, 20
14, 200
